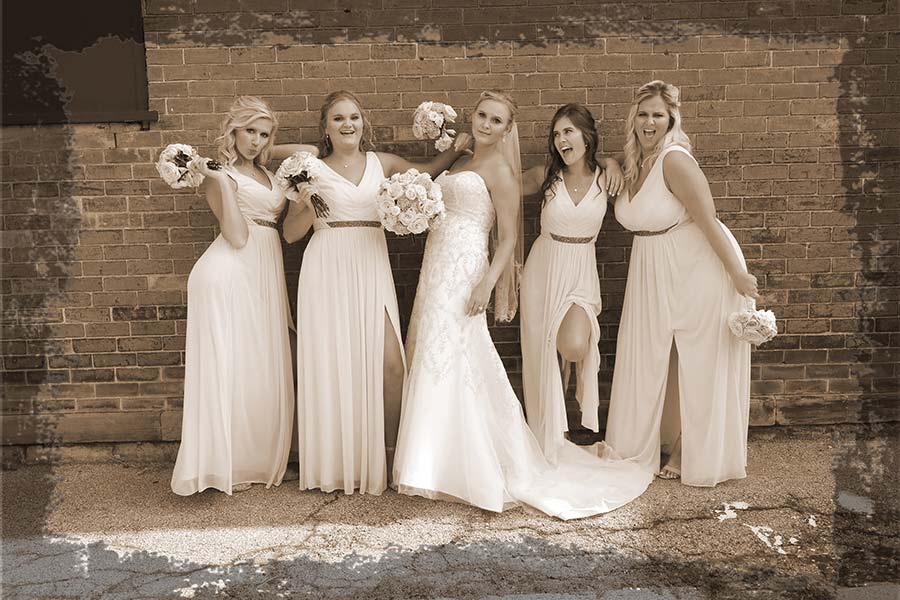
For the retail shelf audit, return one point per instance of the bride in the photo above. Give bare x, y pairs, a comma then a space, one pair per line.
463, 436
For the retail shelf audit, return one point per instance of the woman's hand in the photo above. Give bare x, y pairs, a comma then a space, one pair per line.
615, 179
746, 284
200, 165
308, 194
479, 298
462, 142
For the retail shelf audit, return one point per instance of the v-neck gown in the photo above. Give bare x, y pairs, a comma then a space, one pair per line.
238, 381
561, 272
678, 291
345, 291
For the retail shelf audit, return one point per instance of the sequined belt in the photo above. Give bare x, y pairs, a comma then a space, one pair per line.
572, 240
354, 223
264, 223
649, 233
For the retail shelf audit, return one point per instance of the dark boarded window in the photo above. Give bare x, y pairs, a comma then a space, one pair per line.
68, 61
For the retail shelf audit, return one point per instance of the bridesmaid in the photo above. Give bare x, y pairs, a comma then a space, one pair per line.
350, 362
238, 388
560, 287
686, 275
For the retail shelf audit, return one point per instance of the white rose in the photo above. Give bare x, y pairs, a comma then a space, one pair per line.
418, 225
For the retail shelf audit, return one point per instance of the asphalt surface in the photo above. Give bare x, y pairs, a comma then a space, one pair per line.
817, 518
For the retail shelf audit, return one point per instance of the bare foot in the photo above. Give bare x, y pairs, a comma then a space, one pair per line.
669, 472
241, 487
672, 470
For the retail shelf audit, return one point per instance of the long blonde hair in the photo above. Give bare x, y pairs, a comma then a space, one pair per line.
634, 153
244, 111
368, 136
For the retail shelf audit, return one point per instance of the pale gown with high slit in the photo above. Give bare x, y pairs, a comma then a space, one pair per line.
678, 292
345, 292
238, 382
561, 272
463, 436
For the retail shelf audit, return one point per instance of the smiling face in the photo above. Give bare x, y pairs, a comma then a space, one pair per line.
344, 125
492, 119
569, 141
651, 123
252, 138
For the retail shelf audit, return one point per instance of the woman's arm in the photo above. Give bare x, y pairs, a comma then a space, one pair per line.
391, 163
615, 178
689, 185
300, 215
532, 179
505, 196
220, 196
282, 151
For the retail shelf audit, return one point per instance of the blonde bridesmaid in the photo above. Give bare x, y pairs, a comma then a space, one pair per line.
678, 367
238, 385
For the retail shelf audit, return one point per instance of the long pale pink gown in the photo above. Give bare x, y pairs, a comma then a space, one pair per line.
346, 289
561, 272
678, 295
238, 384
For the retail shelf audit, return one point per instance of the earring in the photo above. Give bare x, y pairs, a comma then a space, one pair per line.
327, 143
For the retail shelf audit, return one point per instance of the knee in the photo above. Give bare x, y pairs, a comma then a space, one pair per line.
573, 345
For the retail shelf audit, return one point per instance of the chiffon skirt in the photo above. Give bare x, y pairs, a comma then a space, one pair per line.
556, 277
238, 385
679, 292
346, 289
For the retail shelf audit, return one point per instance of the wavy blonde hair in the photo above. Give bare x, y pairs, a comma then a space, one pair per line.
368, 136
244, 111
634, 152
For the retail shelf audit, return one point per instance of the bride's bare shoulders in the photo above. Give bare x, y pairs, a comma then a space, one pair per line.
496, 172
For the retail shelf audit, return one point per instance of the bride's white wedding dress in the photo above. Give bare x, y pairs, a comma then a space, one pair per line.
463, 436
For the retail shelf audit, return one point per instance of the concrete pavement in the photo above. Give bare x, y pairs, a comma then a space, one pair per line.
816, 518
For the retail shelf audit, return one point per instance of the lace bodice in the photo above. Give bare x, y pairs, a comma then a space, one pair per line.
455, 260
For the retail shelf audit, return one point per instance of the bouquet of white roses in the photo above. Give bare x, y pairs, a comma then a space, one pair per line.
430, 123
753, 326
300, 167
177, 165
409, 202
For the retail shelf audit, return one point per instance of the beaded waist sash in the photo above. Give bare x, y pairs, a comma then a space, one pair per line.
264, 223
354, 223
571, 240
666, 230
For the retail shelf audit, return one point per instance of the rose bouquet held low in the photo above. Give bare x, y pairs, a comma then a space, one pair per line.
409, 202
753, 326
430, 123
301, 167
178, 165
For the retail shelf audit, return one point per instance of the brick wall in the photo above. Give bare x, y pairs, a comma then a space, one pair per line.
792, 106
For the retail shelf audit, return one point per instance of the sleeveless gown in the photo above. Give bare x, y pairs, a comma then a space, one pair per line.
345, 291
238, 384
678, 291
463, 436
561, 272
